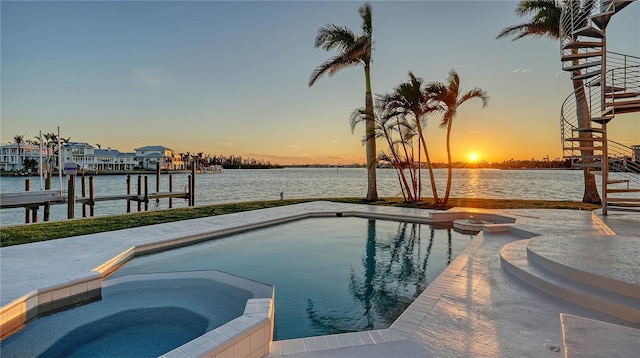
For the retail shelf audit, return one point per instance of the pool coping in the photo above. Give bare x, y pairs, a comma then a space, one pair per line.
14, 315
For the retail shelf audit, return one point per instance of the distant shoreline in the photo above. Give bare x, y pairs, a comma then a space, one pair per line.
132, 172
147, 172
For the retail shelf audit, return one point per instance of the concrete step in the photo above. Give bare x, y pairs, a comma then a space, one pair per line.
514, 260
584, 337
566, 260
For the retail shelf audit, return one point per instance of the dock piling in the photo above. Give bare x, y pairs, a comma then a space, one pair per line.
71, 197
146, 193
157, 181
128, 193
92, 196
170, 190
47, 205
84, 194
190, 189
27, 187
139, 192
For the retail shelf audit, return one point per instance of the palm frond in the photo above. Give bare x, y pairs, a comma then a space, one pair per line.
544, 22
331, 36
446, 118
330, 66
357, 116
361, 49
366, 14
475, 93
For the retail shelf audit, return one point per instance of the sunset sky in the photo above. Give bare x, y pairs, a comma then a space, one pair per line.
231, 77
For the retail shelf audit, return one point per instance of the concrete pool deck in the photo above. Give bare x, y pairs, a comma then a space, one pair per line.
476, 308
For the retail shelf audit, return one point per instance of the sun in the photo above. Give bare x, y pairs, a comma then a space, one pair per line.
473, 157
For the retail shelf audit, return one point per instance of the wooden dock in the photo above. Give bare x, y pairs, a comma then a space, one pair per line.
29, 199
32, 200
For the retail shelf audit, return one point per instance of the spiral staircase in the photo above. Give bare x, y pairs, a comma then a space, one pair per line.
607, 85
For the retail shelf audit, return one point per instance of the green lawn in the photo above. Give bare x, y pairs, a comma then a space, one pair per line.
23, 234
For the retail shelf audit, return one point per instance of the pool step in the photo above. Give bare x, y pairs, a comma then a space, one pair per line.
514, 259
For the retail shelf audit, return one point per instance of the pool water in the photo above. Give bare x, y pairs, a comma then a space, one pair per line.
331, 275
155, 331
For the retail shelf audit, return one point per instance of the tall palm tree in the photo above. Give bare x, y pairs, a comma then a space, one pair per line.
545, 22
450, 98
353, 50
19, 139
410, 98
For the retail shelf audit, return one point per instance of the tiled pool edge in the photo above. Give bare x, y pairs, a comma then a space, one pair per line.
38, 302
15, 314
249, 335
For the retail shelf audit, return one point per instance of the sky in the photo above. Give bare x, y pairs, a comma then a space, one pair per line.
231, 77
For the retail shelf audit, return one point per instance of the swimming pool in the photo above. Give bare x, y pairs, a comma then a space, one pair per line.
331, 275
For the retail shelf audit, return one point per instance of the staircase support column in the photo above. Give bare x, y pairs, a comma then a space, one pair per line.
605, 168
605, 139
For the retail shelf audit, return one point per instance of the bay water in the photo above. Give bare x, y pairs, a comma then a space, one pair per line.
240, 185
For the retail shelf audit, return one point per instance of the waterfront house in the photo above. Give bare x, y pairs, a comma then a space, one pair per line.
149, 156
87, 157
11, 160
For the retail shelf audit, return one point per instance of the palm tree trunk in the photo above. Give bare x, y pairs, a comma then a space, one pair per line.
403, 141
419, 174
590, 194
449, 170
399, 167
436, 200
370, 128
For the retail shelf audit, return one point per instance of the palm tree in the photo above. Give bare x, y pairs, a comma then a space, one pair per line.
51, 142
19, 139
384, 129
545, 22
410, 98
450, 99
353, 50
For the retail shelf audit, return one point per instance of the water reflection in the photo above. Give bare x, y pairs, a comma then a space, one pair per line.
473, 183
396, 269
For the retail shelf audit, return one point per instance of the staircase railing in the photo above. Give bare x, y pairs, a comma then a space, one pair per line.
625, 85
624, 77
625, 159
576, 15
623, 175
